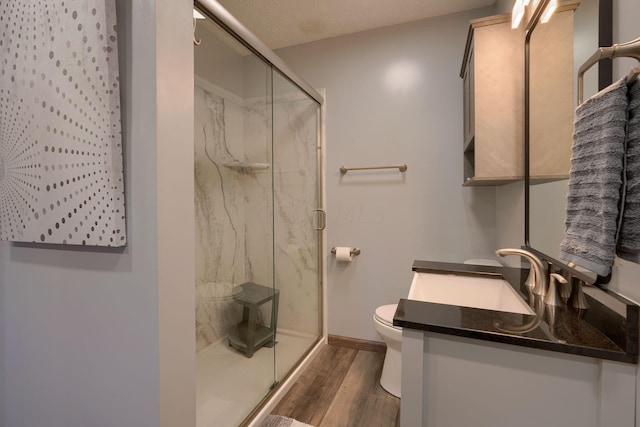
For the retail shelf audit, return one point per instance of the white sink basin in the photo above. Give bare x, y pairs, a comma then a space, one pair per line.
487, 292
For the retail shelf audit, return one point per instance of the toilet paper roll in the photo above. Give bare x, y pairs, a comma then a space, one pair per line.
343, 254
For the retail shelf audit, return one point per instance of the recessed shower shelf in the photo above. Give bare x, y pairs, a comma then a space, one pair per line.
246, 166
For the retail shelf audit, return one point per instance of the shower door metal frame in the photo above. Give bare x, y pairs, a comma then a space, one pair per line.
223, 18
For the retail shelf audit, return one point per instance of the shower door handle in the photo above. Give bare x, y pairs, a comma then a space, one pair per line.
322, 219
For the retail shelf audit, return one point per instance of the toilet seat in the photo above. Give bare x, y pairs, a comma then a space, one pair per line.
384, 314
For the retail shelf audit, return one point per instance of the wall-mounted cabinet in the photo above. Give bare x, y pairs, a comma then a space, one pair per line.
551, 99
493, 76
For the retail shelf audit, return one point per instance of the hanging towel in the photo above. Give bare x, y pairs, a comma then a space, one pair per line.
629, 235
595, 180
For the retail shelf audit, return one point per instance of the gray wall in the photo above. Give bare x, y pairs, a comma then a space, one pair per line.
625, 274
625, 27
394, 95
503, 6
105, 338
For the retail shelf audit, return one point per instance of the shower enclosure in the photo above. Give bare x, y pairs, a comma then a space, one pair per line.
259, 219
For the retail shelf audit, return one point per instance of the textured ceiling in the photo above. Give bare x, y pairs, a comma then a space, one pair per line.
281, 23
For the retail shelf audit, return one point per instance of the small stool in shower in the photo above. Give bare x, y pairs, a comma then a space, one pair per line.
248, 336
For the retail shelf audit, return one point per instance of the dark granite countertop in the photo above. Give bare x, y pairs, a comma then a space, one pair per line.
608, 329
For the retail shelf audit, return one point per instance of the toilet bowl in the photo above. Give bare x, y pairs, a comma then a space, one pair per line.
392, 336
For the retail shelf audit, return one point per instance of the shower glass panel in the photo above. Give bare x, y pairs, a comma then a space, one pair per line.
296, 240
234, 211
258, 275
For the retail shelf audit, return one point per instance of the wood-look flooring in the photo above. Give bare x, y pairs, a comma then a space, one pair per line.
341, 387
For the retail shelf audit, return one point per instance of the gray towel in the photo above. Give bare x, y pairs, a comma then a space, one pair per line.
595, 180
629, 235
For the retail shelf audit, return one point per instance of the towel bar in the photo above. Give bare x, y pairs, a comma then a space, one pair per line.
401, 168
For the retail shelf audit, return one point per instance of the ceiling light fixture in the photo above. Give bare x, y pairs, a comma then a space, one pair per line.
517, 13
548, 11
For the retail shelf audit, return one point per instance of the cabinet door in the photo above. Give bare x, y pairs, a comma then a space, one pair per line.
498, 72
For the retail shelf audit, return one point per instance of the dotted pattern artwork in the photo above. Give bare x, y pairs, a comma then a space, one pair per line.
61, 169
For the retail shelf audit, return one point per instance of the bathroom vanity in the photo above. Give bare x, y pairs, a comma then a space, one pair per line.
558, 366
467, 361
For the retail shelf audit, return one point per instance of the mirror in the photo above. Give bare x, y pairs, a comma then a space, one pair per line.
554, 51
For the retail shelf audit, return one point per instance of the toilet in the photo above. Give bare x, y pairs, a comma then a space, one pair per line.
392, 336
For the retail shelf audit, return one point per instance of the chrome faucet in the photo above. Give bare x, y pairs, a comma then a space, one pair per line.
577, 298
539, 277
553, 293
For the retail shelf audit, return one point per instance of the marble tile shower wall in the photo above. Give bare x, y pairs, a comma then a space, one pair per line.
219, 208
235, 236
258, 188
295, 180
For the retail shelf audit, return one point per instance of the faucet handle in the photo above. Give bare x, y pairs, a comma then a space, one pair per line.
531, 279
565, 288
577, 298
552, 297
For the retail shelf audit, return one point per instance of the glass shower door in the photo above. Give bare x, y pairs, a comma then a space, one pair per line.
258, 308
296, 236
234, 220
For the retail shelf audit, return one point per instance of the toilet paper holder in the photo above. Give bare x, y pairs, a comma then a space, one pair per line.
354, 251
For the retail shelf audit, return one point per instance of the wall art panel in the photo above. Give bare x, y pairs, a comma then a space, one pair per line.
61, 168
